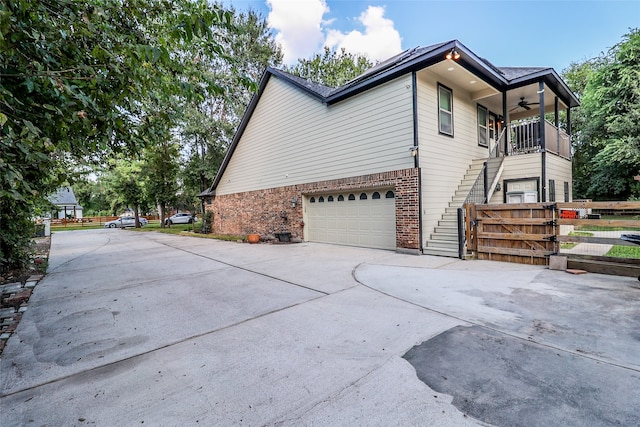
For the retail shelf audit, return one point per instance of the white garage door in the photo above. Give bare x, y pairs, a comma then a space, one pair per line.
362, 218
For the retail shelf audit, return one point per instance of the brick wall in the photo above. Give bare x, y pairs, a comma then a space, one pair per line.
270, 211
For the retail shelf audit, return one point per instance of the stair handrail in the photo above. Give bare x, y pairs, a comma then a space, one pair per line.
480, 189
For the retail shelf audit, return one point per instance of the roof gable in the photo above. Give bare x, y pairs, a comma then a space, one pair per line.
502, 78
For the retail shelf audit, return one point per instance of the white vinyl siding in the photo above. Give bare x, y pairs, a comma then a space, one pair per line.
559, 169
292, 138
444, 160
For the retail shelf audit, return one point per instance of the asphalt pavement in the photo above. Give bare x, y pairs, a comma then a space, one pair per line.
132, 328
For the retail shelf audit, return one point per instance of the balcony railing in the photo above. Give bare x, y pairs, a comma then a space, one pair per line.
525, 139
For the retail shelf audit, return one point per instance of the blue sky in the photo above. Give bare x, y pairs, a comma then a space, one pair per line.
507, 33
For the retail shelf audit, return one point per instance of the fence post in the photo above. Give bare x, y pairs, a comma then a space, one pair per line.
485, 178
461, 233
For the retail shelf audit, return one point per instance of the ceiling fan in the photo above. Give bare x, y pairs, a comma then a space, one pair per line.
524, 104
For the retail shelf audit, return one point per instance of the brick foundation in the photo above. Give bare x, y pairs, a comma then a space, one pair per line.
270, 211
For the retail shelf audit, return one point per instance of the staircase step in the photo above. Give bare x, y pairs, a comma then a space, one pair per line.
445, 236
446, 230
442, 244
440, 252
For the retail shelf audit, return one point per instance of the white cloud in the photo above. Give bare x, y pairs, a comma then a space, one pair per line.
299, 26
379, 41
302, 31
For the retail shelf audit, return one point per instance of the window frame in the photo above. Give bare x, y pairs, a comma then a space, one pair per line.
441, 88
486, 125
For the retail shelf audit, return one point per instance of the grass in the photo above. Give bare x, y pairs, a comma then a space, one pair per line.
580, 233
605, 228
187, 229
619, 251
565, 245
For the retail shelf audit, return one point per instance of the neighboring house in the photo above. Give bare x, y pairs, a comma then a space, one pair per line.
385, 160
66, 204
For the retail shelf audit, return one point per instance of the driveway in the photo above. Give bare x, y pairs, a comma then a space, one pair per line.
135, 328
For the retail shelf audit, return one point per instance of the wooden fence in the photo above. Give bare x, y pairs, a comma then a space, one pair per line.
89, 221
529, 233
521, 233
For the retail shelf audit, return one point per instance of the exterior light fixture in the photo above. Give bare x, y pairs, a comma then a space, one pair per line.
294, 202
453, 54
414, 150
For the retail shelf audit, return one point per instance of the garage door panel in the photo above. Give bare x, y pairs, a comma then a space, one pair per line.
365, 221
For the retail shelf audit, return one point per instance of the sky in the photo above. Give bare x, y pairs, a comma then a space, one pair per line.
507, 33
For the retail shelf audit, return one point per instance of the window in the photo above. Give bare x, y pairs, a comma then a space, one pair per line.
389, 195
363, 196
483, 118
552, 190
341, 198
312, 200
330, 199
320, 199
445, 107
352, 197
566, 191
375, 195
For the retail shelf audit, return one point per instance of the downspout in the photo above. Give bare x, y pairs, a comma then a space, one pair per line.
542, 143
416, 158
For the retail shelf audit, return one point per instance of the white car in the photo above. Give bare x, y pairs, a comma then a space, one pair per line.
181, 218
125, 221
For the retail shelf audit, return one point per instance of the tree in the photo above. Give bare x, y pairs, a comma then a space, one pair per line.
331, 68
127, 183
160, 173
608, 152
74, 81
208, 125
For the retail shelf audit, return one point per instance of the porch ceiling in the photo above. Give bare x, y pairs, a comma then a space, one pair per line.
530, 94
452, 73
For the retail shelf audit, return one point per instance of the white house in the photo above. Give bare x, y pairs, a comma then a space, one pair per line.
385, 160
66, 204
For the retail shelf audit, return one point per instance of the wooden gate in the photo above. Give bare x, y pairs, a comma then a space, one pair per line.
529, 233
521, 233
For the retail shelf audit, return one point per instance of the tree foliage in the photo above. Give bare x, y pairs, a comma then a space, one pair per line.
75, 78
331, 68
608, 123
208, 125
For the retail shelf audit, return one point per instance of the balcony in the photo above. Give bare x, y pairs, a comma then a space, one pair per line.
526, 138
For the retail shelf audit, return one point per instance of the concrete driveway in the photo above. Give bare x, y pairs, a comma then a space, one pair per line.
149, 329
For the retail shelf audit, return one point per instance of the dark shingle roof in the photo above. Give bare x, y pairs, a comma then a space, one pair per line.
63, 196
512, 73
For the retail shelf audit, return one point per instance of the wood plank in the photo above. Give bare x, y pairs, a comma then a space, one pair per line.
598, 205
632, 261
600, 222
516, 236
512, 251
516, 221
602, 267
599, 240
512, 206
